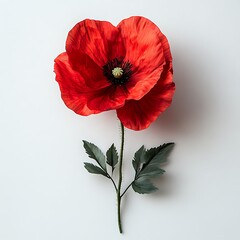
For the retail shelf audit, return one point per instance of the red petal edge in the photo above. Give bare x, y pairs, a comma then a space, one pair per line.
146, 50
74, 91
138, 115
99, 40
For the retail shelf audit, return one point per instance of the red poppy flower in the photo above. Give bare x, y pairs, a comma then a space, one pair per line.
127, 68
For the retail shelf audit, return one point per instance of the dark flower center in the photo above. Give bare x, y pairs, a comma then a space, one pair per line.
117, 71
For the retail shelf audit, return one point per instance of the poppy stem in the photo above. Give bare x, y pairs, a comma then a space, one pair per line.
127, 188
120, 180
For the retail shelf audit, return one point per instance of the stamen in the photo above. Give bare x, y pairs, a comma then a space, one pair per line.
117, 72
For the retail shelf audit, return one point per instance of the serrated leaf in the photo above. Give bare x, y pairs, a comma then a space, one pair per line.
151, 171
95, 153
158, 155
112, 156
147, 164
139, 158
143, 185
94, 169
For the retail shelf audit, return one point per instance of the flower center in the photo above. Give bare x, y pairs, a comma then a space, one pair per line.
117, 71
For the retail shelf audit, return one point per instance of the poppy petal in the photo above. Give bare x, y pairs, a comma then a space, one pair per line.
146, 50
90, 71
99, 40
138, 115
109, 98
74, 91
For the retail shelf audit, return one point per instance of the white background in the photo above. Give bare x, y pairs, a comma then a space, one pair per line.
45, 192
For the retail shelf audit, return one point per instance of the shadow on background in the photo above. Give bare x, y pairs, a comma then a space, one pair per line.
188, 116
190, 102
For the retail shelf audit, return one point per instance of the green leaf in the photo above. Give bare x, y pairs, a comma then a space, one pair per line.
151, 171
143, 185
112, 156
158, 155
94, 169
139, 158
153, 158
146, 164
95, 153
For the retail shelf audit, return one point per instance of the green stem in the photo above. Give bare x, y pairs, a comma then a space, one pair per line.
126, 189
120, 180
114, 184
